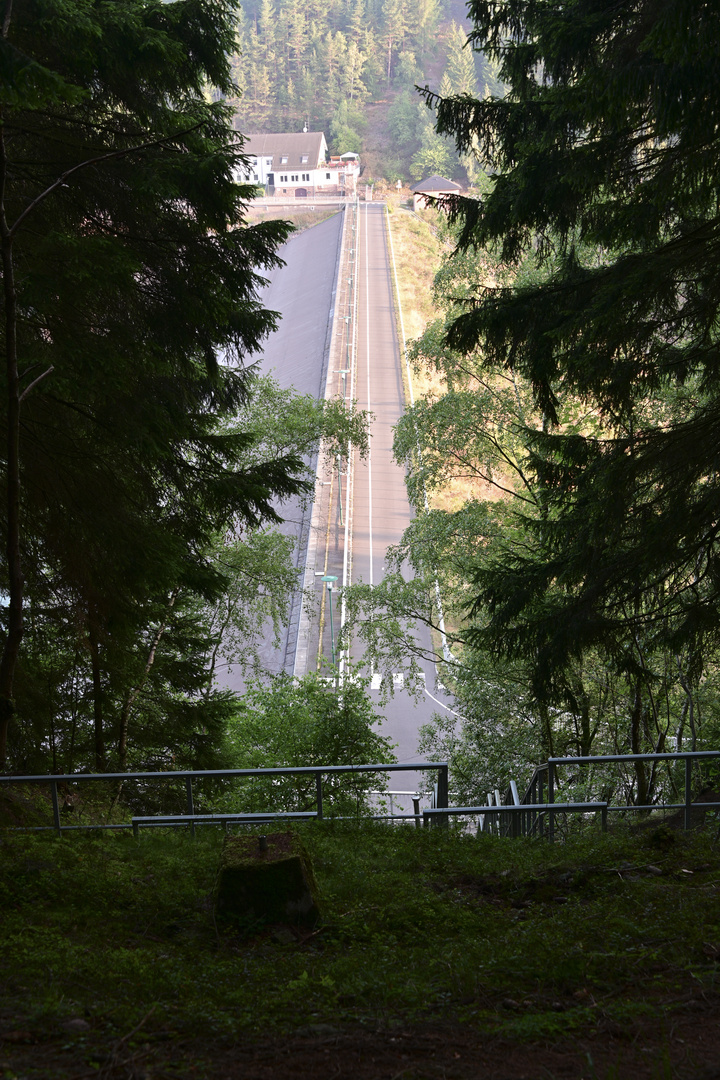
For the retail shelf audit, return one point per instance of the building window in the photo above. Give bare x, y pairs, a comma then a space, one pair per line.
306, 176
283, 160
327, 175
304, 159
293, 179
283, 179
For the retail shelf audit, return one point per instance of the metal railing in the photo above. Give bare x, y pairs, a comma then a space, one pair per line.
506, 815
534, 815
518, 814
687, 758
190, 775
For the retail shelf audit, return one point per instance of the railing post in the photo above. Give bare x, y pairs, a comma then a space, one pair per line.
318, 791
190, 803
688, 792
416, 811
516, 820
442, 794
56, 807
551, 799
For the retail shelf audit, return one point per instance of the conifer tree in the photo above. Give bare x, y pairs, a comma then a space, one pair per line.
606, 151
460, 69
129, 313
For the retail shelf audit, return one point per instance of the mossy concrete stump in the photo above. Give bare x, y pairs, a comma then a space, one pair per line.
267, 879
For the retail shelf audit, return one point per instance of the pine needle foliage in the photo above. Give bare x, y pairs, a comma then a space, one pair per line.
130, 314
605, 151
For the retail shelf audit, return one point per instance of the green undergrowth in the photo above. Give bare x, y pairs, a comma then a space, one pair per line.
520, 937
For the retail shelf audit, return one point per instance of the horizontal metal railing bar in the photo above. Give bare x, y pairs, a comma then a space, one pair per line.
374, 817
664, 806
186, 819
585, 807
172, 823
290, 770
414, 794
65, 828
600, 758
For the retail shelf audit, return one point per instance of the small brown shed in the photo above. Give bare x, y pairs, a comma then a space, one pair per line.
433, 187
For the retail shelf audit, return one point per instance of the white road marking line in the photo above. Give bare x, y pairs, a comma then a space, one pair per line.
367, 346
442, 704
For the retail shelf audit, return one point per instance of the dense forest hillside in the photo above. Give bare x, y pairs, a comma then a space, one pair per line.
349, 68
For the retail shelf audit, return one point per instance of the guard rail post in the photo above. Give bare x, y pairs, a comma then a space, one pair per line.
56, 807
517, 820
551, 799
539, 797
442, 789
318, 792
189, 800
416, 811
688, 792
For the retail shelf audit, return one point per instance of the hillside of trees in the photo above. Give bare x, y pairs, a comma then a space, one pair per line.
349, 68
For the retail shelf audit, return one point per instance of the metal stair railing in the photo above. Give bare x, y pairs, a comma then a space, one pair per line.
517, 812
687, 757
535, 815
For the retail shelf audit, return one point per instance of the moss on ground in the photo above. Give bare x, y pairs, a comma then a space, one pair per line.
514, 937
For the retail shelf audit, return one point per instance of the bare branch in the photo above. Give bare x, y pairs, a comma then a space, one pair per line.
95, 161
27, 389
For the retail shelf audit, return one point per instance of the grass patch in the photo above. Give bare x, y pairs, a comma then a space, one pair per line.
514, 937
418, 254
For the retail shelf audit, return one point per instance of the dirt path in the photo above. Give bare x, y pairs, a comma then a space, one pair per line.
685, 1045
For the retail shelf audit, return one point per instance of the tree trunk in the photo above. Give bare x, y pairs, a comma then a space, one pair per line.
11, 645
636, 744
546, 733
133, 694
97, 698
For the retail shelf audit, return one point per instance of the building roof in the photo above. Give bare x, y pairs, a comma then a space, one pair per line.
436, 183
293, 146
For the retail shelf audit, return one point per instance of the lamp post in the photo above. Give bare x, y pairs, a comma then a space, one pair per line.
329, 579
344, 372
348, 320
339, 464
